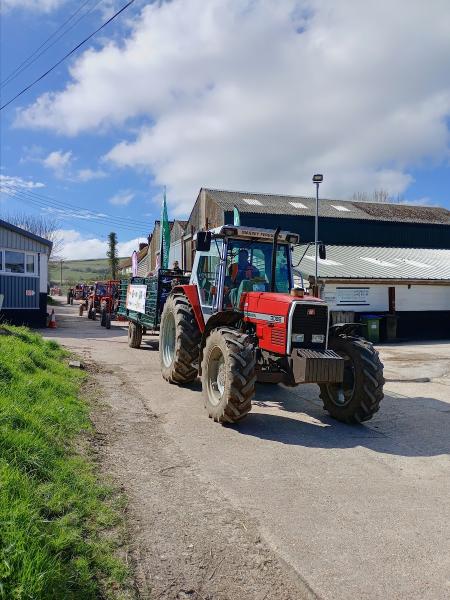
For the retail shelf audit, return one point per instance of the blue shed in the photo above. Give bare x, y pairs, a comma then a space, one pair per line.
23, 276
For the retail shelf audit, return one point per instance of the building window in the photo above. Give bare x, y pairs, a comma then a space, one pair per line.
14, 262
18, 263
31, 264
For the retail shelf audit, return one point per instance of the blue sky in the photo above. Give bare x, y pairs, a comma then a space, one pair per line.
251, 95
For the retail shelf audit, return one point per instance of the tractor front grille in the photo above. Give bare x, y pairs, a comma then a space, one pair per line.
310, 319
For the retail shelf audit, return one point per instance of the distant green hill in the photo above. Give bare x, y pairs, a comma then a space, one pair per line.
79, 271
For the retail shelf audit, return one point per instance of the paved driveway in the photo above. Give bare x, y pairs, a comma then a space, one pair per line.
359, 512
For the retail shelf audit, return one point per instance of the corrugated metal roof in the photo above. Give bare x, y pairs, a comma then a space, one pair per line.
250, 202
362, 262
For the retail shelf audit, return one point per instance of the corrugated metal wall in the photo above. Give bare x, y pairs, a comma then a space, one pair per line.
11, 239
14, 289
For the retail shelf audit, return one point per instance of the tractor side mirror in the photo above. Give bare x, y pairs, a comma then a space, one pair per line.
322, 252
203, 241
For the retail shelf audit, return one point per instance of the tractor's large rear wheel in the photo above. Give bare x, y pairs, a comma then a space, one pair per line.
358, 398
179, 341
228, 375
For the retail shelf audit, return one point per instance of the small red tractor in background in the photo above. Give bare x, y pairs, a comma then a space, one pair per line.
102, 298
240, 320
109, 303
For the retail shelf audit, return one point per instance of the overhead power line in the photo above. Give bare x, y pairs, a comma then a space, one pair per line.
25, 89
71, 212
61, 204
26, 63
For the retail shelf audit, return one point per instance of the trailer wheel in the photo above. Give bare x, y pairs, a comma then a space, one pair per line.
108, 321
228, 375
179, 341
94, 314
358, 398
134, 334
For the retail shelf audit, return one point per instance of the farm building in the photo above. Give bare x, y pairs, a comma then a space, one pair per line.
23, 276
411, 283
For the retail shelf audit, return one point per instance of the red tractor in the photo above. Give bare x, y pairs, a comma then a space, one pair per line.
102, 298
240, 320
109, 303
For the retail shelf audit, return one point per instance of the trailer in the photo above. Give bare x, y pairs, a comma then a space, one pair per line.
142, 299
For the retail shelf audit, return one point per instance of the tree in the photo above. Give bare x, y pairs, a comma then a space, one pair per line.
112, 254
44, 226
379, 195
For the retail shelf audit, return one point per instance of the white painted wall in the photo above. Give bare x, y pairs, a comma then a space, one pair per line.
417, 298
422, 297
175, 253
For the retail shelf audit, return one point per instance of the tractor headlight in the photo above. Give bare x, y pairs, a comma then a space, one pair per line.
317, 338
297, 338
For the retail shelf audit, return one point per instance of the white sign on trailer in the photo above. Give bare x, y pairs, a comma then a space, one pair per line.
136, 295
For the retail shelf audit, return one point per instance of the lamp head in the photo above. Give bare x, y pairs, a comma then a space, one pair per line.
318, 178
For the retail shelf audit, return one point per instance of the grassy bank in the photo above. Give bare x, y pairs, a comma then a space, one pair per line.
53, 511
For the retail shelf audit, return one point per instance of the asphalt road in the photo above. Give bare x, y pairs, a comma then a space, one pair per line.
359, 512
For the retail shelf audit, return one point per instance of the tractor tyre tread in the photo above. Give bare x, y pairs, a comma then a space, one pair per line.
134, 335
368, 385
241, 375
184, 368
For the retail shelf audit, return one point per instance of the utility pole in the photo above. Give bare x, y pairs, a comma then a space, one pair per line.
60, 271
317, 180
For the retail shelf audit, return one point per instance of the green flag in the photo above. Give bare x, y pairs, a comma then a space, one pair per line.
164, 235
236, 216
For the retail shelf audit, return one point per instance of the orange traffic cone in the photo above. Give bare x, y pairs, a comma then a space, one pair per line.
52, 323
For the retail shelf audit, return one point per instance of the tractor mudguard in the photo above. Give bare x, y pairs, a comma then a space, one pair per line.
191, 293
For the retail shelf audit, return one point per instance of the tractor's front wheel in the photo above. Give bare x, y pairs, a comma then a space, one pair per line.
179, 340
228, 375
358, 397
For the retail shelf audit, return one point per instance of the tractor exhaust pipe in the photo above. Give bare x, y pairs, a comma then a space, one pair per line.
274, 258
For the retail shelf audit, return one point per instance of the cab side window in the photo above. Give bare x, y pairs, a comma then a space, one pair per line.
206, 276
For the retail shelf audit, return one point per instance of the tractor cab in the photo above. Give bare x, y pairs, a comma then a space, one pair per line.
231, 261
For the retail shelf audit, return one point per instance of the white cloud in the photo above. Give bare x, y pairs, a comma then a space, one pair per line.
7, 182
58, 161
122, 198
78, 246
84, 175
35, 5
259, 95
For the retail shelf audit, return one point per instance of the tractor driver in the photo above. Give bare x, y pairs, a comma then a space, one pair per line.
238, 272
242, 269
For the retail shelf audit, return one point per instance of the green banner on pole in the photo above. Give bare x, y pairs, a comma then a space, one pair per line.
236, 216
165, 235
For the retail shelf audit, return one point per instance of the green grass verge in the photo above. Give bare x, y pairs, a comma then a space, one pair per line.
54, 513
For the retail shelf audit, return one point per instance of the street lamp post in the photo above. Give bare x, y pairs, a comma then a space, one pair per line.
317, 179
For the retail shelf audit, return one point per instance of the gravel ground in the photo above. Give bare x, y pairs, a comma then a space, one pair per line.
289, 504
